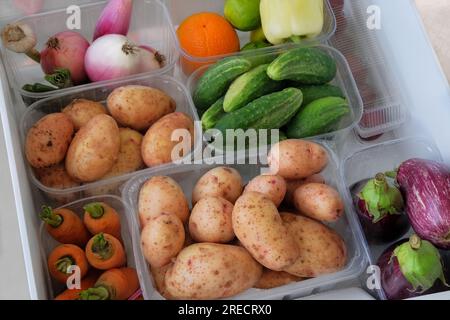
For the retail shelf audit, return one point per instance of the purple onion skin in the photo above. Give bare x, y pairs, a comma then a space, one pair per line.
394, 283
425, 185
388, 229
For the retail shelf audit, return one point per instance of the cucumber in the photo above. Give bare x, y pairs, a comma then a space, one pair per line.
248, 87
255, 45
215, 81
304, 65
271, 111
312, 93
318, 117
213, 114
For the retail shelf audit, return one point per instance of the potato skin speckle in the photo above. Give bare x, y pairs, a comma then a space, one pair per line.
274, 187
211, 271
48, 140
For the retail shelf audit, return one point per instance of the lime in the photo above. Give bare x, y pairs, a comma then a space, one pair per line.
243, 14
257, 35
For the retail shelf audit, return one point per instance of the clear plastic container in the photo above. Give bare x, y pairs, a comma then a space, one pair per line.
99, 92
181, 9
381, 92
187, 176
343, 79
150, 25
47, 243
386, 156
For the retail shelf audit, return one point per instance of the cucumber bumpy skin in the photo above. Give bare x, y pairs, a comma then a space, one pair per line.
309, 66
216, 80
248, 87
318, 117
312, 93
271, 111
213, 115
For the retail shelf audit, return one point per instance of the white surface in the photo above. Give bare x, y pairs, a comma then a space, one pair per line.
13, 281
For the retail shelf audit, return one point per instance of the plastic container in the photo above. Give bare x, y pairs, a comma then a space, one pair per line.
383, 157
187, 176
343, 79
48, 243
381, 92
150, 25
180, 9
99, 92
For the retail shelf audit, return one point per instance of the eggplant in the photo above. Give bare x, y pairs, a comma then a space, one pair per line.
380, 210
425, 185
411, 268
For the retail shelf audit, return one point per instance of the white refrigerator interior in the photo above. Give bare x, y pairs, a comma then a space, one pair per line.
425, 96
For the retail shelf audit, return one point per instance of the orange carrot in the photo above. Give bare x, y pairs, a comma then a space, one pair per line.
65, 226
100, 217
64, 256
114, 284
105, 252
74, 294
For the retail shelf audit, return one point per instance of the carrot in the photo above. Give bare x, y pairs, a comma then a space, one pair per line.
100, 217
74, 294
65, 226
114, 284
64, 256
105, 252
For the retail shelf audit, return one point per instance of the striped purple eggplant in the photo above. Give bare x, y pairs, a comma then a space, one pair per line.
426, 188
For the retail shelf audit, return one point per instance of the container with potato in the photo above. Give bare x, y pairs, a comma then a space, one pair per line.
93, 139
211, 232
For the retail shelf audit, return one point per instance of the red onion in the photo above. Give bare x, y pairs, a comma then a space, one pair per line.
66, 50
115, 18
112, 56
150, 59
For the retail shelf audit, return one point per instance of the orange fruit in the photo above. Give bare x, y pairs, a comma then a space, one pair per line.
206, 34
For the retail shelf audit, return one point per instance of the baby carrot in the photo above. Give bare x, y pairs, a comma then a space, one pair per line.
65, 226
100, 217
105, 252
64, 256
114, 284
74, 294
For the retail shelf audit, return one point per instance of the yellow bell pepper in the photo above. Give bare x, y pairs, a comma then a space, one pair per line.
283, 19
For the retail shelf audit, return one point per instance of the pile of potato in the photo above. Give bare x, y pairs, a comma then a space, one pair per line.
264, 235
86, 142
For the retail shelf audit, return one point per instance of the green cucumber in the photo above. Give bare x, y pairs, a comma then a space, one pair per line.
312, 93
304, 65
319, 117
213, 114
255, 45
215, 81
248, 87
271, 111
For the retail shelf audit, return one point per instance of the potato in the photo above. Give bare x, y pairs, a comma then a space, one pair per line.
129, 159
157, 146
159, 275
273, 279
48, 140
319, 201
81, 111
258, 225
138, 107
162, 195
210, 220
162, 239
221, 182
56, 177
297, 159
322, 250
212, 271
292, 185
94, 150
274, 187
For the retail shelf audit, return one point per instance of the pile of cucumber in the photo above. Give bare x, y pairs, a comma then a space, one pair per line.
289, 92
